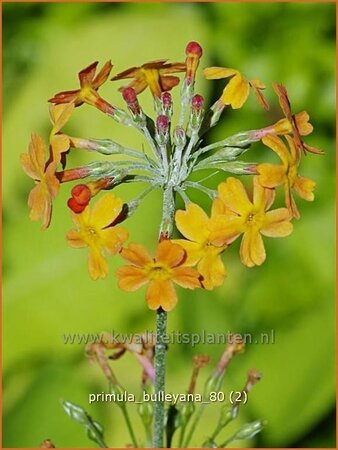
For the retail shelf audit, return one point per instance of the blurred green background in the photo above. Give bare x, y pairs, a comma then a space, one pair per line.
47, 290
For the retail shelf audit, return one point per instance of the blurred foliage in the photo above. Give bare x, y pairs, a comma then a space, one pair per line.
47, 291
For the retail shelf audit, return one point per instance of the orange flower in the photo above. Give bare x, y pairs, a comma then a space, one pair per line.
272, 175
95, 229
236, 92
299, 127
41, 196
199, 230
89, 85
250, 218
154, 75
168, 267
59, 116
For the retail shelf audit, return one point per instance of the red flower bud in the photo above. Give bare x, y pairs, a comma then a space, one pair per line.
130, 97
74, 206
193, 48
81, 194
162, 124
166, 99
197, 103
80, 198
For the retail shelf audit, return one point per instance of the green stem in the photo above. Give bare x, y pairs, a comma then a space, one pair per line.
129, 425
166, 229
160, 353
195, 185
194, 424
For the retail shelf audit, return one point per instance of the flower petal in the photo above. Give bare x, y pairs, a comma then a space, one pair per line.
257, 86
304, 187
194, 251
225, 229
40, 203
262, 197
211, 268
60, 143
271, 175
192, 223
75, 240
60, 114
161, 294
302, 121
97, 264
216, 73
103, 75
252, 251
168, 82
236, 92
131, 278
277, 223
234, 196
170, 254
86, 75
113, 238
277, 145
186, 277
105, 210
136, 254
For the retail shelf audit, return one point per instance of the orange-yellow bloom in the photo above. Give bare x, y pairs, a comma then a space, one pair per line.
95, 229
41, 196
59, 116
251, 218
236, 92
153, 74
272, 175
299, 127
168, 267
199, 230
89, 85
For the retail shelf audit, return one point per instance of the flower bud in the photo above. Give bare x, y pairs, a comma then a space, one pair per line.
162, 129
185, 412
145, 411
197, 112
162, 124
249, 430
197, 103
130, 97
167, 104
194, 52
81, 193
80, 198
180, 138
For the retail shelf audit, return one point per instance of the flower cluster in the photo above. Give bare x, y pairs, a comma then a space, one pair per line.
176, 152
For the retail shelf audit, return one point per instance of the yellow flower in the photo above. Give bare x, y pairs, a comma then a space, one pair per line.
236, 92
95, 229
250, 218
41, 196
272, 175
168, 267
199, 230
59, 116
153, 74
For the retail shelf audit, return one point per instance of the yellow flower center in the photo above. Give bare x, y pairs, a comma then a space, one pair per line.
255, 219
90, 234
158, 271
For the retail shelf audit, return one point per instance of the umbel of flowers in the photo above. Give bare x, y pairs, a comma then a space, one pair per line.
176, 151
